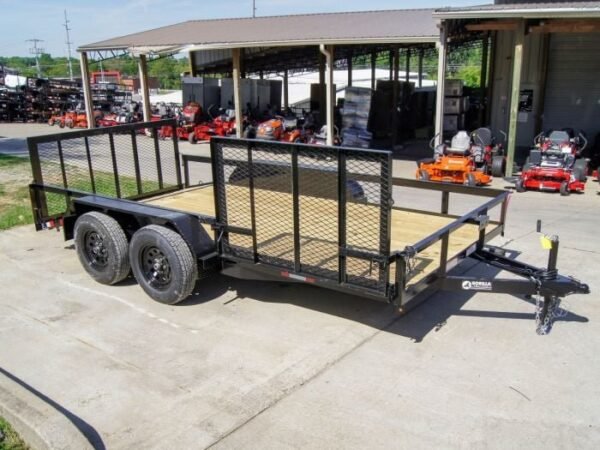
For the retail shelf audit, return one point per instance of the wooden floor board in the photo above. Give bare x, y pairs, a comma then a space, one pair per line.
318, 225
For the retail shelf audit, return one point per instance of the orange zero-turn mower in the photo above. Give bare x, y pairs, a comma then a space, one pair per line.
454, 163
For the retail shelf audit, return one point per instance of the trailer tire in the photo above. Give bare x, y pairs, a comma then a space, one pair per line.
102, 248
498, 166
519, 185
564, 188
174, 278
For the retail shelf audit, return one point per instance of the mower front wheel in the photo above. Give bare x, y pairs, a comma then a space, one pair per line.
192, 138
580, 170
498, 166
520, 186
471, 180
424, 175
564, 188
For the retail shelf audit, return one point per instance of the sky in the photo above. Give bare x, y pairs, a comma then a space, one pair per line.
96, 20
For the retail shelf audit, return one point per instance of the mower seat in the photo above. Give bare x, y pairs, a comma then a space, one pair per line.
460, 144
535, 157
457, 151
482, 136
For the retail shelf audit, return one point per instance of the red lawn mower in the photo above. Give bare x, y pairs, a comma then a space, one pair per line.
555, 164
222, 125
284, 129
188, 119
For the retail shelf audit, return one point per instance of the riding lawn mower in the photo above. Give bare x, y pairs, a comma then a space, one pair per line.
556, 163
469, 159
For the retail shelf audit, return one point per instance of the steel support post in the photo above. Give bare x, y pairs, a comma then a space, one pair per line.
286, 98
237, 94
441, 83
143, 69
373, 68
327, 51
87, 90
514, 97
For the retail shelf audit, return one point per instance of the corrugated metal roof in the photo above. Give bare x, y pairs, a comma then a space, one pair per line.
524, 10
411, 25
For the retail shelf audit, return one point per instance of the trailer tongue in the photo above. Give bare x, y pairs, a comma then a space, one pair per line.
311, 214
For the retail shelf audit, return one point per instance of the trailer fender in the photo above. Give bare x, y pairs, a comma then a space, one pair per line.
133, 216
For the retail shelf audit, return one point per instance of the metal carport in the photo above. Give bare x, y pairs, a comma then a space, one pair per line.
274, 40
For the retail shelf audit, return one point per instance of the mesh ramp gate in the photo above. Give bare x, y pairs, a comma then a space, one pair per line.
322, 211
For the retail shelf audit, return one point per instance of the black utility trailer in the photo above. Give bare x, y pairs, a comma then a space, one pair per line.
310, 214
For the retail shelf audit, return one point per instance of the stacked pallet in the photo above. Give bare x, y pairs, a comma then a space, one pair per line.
355, 118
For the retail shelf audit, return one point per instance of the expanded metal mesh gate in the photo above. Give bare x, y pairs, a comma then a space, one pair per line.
318, 211
127, 161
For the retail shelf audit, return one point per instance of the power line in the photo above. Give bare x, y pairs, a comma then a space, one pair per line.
36, 52
67, 29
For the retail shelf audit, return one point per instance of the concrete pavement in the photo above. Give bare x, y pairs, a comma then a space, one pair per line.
246, 364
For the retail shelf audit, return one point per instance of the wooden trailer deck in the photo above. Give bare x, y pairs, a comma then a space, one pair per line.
318, 225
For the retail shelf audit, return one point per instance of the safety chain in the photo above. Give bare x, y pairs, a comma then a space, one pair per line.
554, 311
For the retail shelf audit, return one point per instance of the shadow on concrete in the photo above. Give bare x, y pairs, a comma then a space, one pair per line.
429, 316
84, 428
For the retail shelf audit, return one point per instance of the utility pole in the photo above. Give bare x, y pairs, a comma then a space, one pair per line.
69, 43
36, 51
253, 9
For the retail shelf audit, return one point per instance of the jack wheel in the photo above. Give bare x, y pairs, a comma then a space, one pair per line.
102, 248
163, 264
564, 188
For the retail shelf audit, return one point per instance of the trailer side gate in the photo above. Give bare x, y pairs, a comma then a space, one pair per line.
122, 162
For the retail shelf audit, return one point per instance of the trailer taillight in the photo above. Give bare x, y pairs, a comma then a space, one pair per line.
293, 276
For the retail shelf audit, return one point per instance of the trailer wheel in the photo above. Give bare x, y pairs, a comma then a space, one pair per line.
564, 188
498, 166
102, 247
424, 175
471, 180
192, 138
163, 264
519, 185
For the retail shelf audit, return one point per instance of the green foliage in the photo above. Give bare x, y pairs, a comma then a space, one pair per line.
10, 161
10, 439
168, 70
471, 75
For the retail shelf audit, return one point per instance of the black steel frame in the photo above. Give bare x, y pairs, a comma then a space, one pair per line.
38, 188
544, 282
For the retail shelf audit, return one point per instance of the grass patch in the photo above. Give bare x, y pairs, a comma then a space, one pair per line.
9, 439
13, 215
15, 206
11, 161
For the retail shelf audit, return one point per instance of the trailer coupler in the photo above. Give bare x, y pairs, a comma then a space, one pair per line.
547, 285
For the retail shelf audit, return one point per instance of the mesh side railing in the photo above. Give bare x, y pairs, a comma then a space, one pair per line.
281, 204
128, 161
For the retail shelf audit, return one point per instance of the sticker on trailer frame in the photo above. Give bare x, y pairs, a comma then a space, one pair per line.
472, 285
